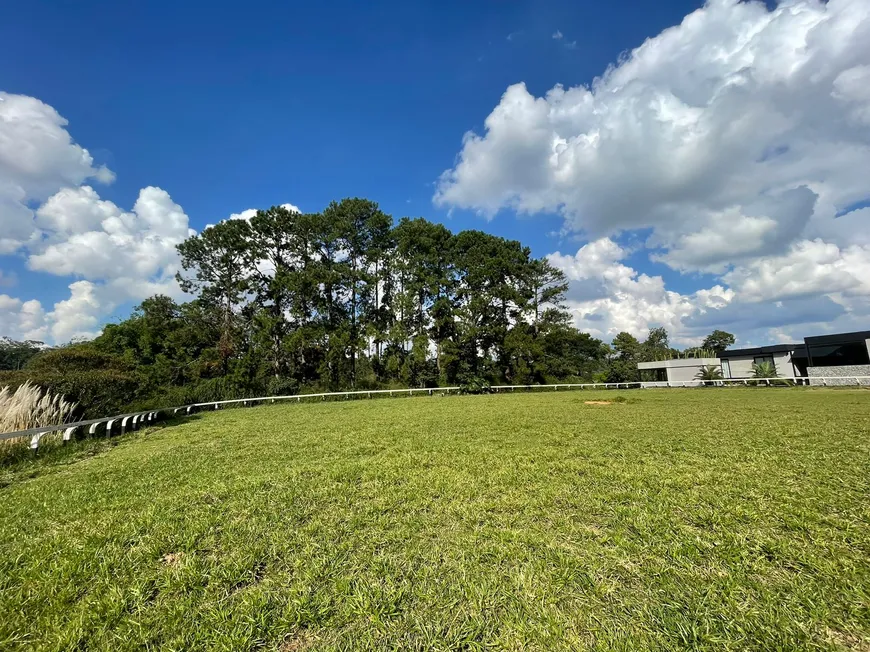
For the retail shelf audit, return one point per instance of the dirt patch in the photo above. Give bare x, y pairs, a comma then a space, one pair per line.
597, 402
296, 642
172, 558
846, 641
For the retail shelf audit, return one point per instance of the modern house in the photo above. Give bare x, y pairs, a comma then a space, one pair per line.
790, 360
679, 370
823, 359
839, 355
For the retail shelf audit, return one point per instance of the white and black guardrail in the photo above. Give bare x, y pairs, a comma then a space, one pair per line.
134, 420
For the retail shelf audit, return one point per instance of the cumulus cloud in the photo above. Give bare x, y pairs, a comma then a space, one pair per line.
607, 296
738, 140
110, 242
728, 107
118, 256
52, 216
22, 319
809, 268
37, 157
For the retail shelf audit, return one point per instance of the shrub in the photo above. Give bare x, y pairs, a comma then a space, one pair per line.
475, 385
709, 374
99, 393
76, 359
764, 370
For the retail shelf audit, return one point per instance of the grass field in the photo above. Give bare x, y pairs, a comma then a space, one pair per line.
679, 519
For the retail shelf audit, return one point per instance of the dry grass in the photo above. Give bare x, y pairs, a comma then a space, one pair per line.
30, 406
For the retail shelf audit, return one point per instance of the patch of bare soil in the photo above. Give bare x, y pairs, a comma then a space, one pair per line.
846, 641
597, 402
297, 642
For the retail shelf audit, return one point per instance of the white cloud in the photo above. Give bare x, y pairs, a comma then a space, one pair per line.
735, 103
810, 267
116, 256
107, 242
22, 319
740, 139
79, 316
558, 36
37, 158
120, 256
607, 296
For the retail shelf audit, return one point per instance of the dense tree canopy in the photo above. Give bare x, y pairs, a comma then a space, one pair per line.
346, 298
718, 341
287, 302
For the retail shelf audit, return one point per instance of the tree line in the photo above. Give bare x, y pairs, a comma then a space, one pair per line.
347, 298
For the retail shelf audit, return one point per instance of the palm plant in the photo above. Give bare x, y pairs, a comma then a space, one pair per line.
763, 370
709, 374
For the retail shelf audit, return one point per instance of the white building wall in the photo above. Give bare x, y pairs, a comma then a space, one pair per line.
741, 367
683, 373
784, 367
680, 369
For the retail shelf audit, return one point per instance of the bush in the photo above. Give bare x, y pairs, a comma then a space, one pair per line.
475, 385
99, 393
282, 387
75, 359
204, 391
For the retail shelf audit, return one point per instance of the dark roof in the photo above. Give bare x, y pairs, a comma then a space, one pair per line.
760, 350
838, 338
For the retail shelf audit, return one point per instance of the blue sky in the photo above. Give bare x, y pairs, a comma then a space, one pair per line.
247, 105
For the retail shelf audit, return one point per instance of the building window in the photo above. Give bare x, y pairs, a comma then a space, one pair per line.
839, 355
726, 369
759, 359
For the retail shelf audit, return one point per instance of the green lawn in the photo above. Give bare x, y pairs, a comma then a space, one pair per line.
679, 519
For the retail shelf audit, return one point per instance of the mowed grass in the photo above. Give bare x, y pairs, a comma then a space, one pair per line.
681, 519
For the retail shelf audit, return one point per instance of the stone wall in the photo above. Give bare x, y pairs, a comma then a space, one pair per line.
817, 373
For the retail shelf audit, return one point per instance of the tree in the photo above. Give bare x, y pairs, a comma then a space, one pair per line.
272, 263
626, 346
623, 367
360, 225
425, 284
546, 287
217, 258
344, 298
718, 341
14, 355
565, 351
656, 346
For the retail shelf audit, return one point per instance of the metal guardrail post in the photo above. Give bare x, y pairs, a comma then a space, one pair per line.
68, 433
